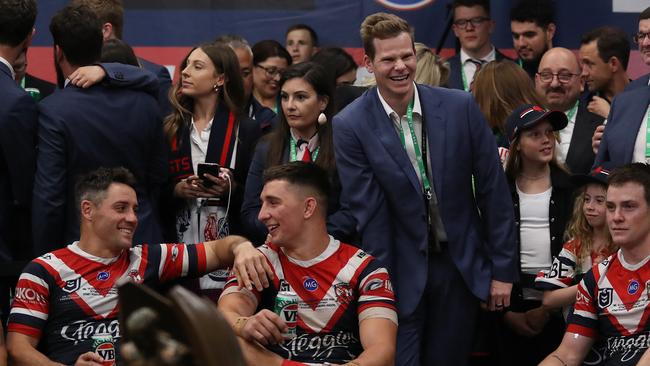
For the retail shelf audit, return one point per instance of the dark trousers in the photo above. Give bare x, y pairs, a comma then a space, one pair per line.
441, 330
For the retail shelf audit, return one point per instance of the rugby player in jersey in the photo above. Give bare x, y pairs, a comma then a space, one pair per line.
346, 306
612, 303
66, 303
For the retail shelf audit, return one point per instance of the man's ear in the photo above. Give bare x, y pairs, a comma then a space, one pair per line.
550, 33
614, 64
59, 56
87, 208
367, 62
107, 31
311, 205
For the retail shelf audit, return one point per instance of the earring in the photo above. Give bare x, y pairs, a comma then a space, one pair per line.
322, 118
216, 88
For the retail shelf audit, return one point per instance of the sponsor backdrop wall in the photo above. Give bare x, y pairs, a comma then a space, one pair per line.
164, 30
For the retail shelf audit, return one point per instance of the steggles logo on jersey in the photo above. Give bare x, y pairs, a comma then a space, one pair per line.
72, 285
82, 330
605, 297
320, 346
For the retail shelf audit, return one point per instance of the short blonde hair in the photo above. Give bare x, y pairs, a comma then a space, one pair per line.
431, 69
382, 26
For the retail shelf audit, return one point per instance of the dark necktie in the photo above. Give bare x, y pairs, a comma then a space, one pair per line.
479, 64
307, 155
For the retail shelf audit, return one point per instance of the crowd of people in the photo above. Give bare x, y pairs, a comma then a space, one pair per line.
476, 210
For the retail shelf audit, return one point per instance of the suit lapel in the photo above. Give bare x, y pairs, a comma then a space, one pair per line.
5, 70
636, 118
435, 123
384, 129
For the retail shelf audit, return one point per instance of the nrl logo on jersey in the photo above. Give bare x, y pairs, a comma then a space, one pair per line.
605, 296
72, 285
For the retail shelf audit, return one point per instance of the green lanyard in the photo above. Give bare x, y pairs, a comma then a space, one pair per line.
416, 146
572, 112
647, 135
22, 82
293, 156
520, 63
462, 74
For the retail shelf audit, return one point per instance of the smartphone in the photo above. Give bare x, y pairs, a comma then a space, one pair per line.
209, 168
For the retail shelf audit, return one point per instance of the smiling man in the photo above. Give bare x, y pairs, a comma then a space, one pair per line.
407, 155
67, 299
473, 28
532, 24
613, 300
558, 82
642, 40
345, 302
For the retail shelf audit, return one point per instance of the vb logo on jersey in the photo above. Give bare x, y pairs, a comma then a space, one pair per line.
405, 4
605, 296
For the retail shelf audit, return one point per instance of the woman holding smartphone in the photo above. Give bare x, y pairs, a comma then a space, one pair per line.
303, 132
207, 126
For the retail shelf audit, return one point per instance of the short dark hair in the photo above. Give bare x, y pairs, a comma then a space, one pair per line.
611, 42
632, 173
93, 185
235, 41
645, 14
107, 11
115, 50
17, 19
312, 32
540, 12
485, 4
78, 32
335, 61
263, 50
302, 174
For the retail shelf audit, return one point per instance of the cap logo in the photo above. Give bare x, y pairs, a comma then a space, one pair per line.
600, 170
535, 108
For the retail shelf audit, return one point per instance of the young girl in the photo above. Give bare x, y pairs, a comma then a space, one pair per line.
589, 242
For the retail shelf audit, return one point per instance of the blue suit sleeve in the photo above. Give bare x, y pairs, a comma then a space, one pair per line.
18, 142
127, 76
250, 209
49, 199
493, 198
362, 193
603, 150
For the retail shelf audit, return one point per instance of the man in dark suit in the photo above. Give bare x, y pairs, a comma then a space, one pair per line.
111, 16
642, 39
532, 24
473, 28
407, 157
83, 129
558, 82
18, 124
38, 88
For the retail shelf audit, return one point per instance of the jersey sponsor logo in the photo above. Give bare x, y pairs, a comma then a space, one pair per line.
373, 285
405, 4
344, 294
72, 285
28, 295
605, 297
83, 330
627, 348
633, 287
309, 284
220, 275
104, 347
321, 346
103, 276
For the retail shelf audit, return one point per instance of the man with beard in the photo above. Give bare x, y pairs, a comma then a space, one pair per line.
473, 27
532, 24
83, 129
642, 38
604, 54
558, 82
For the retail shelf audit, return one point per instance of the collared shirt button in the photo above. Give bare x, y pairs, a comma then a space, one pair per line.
552, 219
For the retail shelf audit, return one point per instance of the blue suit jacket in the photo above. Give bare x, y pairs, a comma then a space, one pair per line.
18, 124
386, 199
640, 82
455, 80
164, 84
623, 123
84, 129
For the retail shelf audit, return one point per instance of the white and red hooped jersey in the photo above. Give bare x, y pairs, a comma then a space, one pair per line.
336, 290
612, 306
66, 297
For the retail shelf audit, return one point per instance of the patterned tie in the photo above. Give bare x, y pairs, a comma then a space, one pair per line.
307, 155
479, 64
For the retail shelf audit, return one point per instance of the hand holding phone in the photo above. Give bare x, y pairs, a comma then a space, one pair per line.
209, 168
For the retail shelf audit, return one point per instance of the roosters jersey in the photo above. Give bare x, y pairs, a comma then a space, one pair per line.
66, 297
612, 305
336, 290
567, 269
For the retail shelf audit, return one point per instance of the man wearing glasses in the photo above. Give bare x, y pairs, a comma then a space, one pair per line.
473, 27
642, 39
558, 82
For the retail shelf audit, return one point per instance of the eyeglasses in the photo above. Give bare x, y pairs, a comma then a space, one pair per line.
639, 37
563, 77
475, 22
270, 71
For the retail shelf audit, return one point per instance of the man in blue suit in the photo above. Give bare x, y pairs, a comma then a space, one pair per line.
420, 171
642, 39
83, 129
18, 124
473, 28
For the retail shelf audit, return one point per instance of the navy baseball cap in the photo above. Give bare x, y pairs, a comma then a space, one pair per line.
528, 115
600, 174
